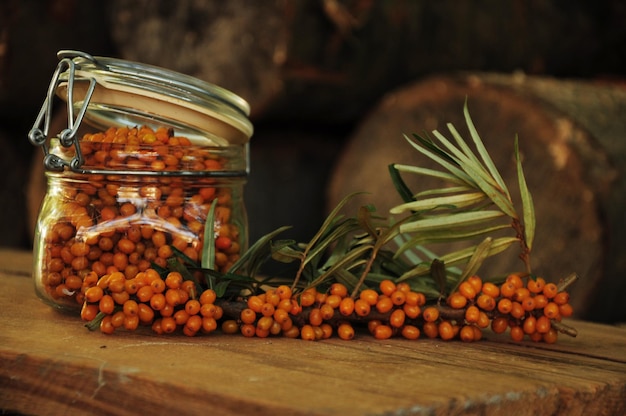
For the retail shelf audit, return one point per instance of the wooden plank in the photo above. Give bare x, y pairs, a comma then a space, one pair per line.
50, 364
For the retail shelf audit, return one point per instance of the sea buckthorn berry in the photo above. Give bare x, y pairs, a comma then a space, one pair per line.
476, 282
248, 330
145, 313
478, 333
520, 294
397, 318
327, 331
281, 316
106, 304
561, 298
229, 326
370, 296
272, 297
144, 293
516, 279
528, 303
345, 331
471, 314
276, 328
411, 311
530, 325
192, 307
173, 297
94, 294
507, 289
483, 320
247, 316
491, 289
346, 307
255, 303
383, 331
292, 332
158, 302
550, 290
499, 324
446, 331
543, 324
362, 307
540, 301
430, 314
551, 336
536, 336
131, 308
387, 287
168, 310
566, 310
551, 310
106, 327
412, 298
131, 322
173, 280
430, 330
307, 298
467, 333
384, 304
505, 305
284, 292
307, 333
467, 290
410, 332
117, 319
168, 324
195, 324
403, 287
88, 311
318, 332
372, 324
398, 297
315, 317
333, 301
208, 296
517, 333
536, 285
327, 312
120, 297
456, 301
131, 286
517, 311
267, 309
486, 302
265, 323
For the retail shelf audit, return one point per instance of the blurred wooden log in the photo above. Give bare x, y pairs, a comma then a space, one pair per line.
571, 137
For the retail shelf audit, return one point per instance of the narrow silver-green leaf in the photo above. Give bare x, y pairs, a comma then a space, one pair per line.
432, 173
462, 219
498, 245
208, 248
482, 151
459, 201
478, 257
528, 209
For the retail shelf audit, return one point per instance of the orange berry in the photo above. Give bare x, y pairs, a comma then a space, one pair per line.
499, 324
281, 316
384, 304
467, 290
540, 301
397, 318
284, 292
410, 332
476, 282
173, 280
89, 311
430, 330
145, 313
491, 289
387, 287
478, 333
192, 307
483, 320
561, 298
362, 307
208, 296
338, 289
315, 317
530, 325
467, 333
94, 294
528, 303
550, 290
117, 319
543, 324
551, 336
446, 331
383, 331
551, 310
517, 311
536, 285
345, 331
520, 294
398, 297
430, 314
265, 323
327, 331
505, 305
307, 298
411, 311
247, 316
370, 296
507, 289
327, 312
346, 307
372, 324
131, 322
517, 333
158, 302
144, 293
106, 327
248, 330
168, 324
472, 313
255, 303
515, 279
457, 300
229, 326
486, 302
180, 316
412, 298
566, 310
106, 304
307, 333
333, 301
267, 309
131, 307
403, 287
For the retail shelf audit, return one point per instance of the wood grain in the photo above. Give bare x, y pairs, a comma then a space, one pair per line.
51, 364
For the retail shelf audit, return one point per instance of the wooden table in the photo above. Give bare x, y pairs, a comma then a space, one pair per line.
51, 364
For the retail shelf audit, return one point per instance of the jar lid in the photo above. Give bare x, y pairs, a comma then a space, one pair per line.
125, 87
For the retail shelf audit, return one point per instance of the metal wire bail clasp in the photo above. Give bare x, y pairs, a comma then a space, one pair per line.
38, 134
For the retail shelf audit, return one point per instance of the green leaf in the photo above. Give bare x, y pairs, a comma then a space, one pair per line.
284, 252
458, 201
399, 184
528, 209
462, 219
208, 248
480, 147
256, 253
432, 173
478, 257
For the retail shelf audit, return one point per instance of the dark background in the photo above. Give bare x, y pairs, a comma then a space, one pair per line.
312, 70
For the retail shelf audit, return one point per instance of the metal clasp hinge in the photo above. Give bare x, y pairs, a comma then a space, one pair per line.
38, 135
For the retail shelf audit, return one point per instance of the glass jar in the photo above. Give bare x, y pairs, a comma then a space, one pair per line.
148, 157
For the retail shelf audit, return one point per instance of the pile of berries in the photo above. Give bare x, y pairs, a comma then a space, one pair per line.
171, 304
